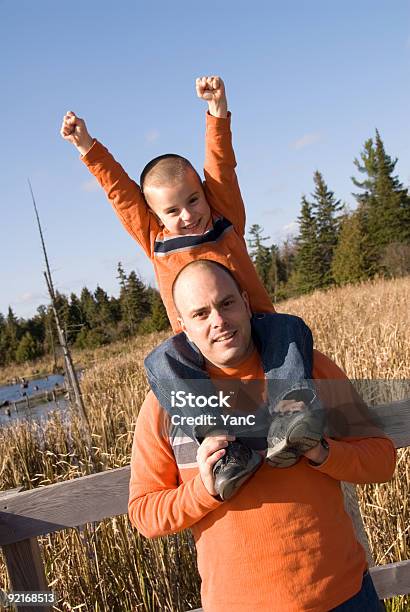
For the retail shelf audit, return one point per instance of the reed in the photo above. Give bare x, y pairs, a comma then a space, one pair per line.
108, 566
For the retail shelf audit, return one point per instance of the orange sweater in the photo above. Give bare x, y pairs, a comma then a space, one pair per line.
223, 242
284, 543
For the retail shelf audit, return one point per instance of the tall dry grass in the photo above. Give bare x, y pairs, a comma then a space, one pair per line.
108, 566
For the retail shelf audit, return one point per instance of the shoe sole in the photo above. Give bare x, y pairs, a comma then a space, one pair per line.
231, 486
304, 434
283, 459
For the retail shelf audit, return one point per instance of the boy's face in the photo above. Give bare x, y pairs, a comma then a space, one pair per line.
181, 207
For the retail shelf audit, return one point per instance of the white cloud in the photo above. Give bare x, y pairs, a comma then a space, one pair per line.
29, 298
91, 185
291, 229
151, 136
306, 140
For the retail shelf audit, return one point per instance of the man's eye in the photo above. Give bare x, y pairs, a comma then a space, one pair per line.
228, 303
193, 200
172, 211
200, 314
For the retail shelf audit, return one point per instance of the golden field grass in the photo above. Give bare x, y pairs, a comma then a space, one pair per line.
108, 566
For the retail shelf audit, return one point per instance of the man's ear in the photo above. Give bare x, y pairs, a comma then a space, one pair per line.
245, 298
182, 326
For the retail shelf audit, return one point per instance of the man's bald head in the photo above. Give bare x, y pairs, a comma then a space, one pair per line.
214, 312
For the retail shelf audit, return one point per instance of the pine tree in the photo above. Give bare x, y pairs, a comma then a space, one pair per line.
138, 305
348, 265
306, 275
104, 314
260, 254
3, 340
27, 348
159, 318
384, 205
76, 318
326, 209
12, 335
88, 307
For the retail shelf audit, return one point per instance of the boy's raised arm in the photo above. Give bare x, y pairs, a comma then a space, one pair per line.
123, 193
221, 183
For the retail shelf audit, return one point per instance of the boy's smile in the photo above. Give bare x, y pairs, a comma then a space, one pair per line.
182, 206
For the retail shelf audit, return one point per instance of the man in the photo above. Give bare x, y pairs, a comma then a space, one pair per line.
284, 542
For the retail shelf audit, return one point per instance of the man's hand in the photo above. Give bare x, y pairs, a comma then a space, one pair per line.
290, 405
212, 89
75, 131
318, 454
209, 452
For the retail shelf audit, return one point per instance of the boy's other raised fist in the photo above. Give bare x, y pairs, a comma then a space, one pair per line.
74, 130
212, 89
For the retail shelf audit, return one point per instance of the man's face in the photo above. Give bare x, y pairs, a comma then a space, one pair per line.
214, 315
181, 207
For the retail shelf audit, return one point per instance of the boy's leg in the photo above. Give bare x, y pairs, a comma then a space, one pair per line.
298, 421
176, 376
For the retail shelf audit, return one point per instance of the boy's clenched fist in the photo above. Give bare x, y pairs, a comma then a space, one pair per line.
74, 130
212, 89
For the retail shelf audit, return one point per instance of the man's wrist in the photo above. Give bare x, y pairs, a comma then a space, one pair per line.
319, 453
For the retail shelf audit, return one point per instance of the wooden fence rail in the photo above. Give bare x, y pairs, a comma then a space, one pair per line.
25, 515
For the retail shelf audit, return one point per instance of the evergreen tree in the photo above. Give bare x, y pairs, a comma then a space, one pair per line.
12, 335
348, 265
384, 205
88, 307
260, 254
326, 209
306, 275
158, 321
3, 340
27, 348
138, 305
104, 316
76, 318
159, 317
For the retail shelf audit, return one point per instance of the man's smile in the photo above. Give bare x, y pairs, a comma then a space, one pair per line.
226, 336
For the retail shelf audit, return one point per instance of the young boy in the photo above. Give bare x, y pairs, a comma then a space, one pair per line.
173, 215
177, 219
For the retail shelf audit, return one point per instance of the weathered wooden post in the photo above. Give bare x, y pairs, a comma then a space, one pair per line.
72, 379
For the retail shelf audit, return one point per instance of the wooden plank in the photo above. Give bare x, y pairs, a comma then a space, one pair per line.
26, 570
391, 579
92, 498
65, 504
395, 421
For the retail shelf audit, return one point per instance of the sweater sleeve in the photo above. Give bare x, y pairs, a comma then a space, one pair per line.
364, 461
221, 183
158, 504
124, 194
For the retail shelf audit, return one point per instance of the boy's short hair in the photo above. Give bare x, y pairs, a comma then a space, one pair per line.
165, 169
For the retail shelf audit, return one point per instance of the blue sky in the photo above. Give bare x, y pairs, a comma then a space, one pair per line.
307, 83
